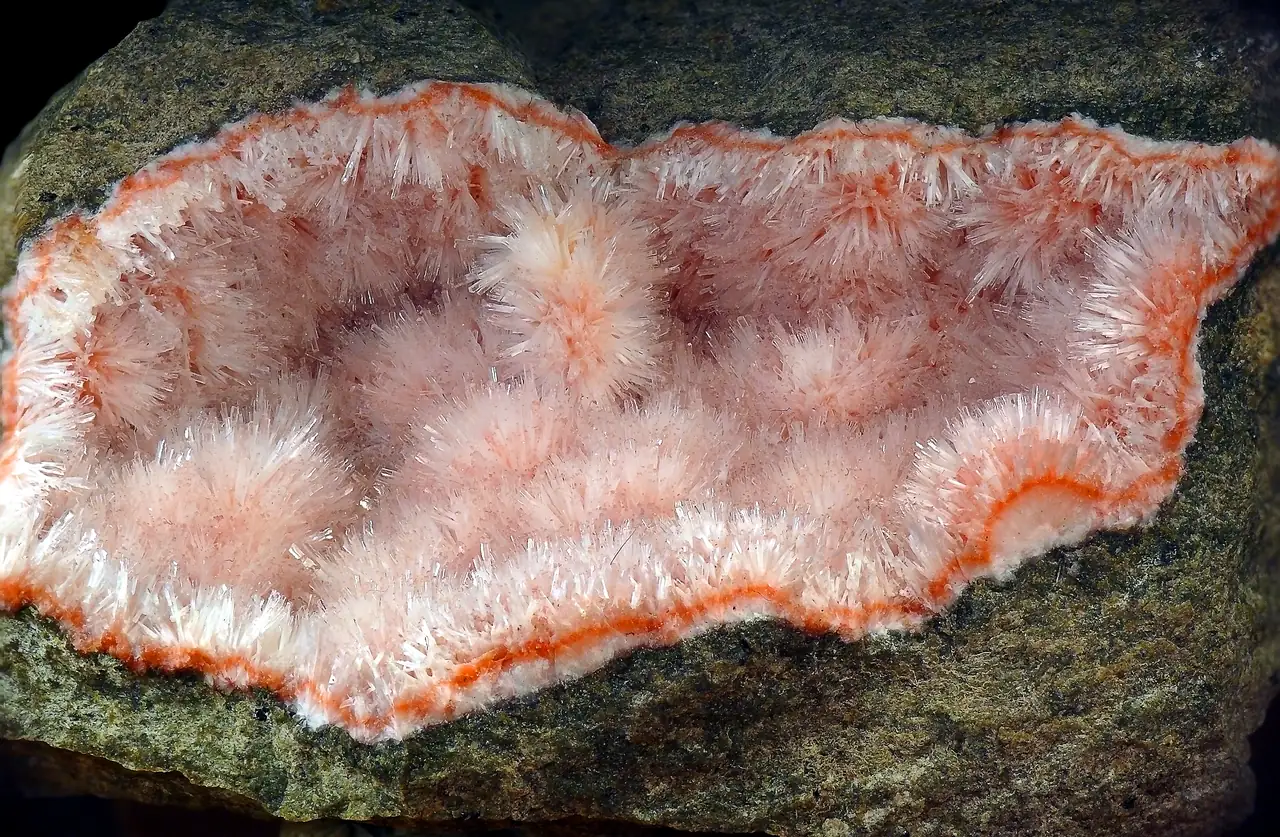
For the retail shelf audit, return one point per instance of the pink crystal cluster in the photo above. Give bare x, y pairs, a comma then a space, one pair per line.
398, 406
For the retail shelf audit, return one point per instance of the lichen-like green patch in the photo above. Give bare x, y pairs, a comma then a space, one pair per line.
1107, 688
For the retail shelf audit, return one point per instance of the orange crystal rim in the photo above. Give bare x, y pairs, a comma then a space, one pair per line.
436, 702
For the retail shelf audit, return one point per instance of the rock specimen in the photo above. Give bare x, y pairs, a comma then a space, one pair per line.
397, 406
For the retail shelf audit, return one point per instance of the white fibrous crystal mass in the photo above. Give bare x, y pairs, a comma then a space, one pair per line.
399, 406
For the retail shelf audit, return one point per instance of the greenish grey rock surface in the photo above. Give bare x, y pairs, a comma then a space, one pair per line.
1174, 70
203, 64
1106, 689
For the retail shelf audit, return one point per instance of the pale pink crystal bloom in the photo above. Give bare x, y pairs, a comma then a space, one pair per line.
664, 455
127, 365
838, 370
402, 370
572, 284
472, 402
197, 503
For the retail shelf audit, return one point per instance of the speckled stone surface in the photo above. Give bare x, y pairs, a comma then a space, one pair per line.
203, 64
1106, 689
1174, 70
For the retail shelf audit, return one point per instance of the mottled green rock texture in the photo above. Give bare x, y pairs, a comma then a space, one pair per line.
1173, 70
203, 64
1105, 689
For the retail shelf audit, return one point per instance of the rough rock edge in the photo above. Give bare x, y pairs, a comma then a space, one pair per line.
96, 130
617, 744
724, 694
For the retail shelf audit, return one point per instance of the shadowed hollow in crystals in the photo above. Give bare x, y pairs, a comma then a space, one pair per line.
399, 406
